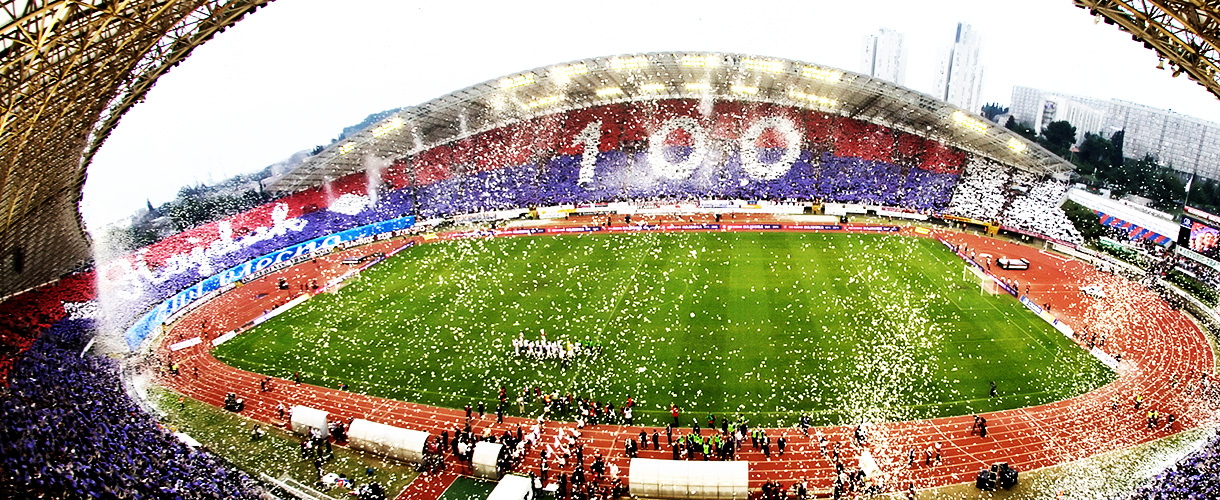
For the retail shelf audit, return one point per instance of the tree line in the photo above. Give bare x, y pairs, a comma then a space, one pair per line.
1100, 163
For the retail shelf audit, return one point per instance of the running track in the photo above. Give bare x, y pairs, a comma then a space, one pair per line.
1164, 354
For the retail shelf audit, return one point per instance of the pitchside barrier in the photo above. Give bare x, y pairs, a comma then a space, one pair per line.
680, 479
306, 419
386, 440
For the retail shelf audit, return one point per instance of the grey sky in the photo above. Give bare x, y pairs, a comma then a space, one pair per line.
293, 74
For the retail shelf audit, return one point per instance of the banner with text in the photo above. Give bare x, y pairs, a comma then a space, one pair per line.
163, 311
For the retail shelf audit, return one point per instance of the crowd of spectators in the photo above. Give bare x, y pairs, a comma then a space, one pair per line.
70, 431
1039, 211
980, 194
1192, 478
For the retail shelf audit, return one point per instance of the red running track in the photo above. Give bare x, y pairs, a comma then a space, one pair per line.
1164, 355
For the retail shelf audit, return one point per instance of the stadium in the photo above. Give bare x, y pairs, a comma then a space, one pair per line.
667, 274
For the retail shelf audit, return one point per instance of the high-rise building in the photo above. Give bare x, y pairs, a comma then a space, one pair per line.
885, 57
960, 81
1184, 143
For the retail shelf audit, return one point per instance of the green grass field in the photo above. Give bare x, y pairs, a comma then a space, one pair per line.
767, 326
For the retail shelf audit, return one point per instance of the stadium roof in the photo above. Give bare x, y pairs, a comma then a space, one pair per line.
1186, 33
668, 75
70, 69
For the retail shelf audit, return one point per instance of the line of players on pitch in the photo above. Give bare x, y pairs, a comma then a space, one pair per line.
553, 349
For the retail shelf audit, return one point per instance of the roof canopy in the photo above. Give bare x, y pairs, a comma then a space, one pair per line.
668, 75
68, 72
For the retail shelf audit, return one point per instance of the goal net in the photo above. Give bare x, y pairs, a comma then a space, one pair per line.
987, 286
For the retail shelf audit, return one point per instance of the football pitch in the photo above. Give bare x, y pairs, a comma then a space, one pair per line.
766, 326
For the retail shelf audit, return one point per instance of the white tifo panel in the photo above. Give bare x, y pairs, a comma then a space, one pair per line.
680, 479
484, 459
513, 487
305, 418
387, 440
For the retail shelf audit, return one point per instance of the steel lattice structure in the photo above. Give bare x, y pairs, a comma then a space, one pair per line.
1184, 32
69, 69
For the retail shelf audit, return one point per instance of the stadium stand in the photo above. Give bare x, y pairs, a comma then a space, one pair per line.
70, 431
980, 193
1192, 478
1039, 211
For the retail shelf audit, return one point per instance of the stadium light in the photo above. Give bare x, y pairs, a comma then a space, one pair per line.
965, 121
387, 127
636, 62
652, 87
814, 98
698, 87
571, 70
824, 74
768, 65
609, 91
544, 101
1016, 145
516, 81
744, 89
347, 147
701, 61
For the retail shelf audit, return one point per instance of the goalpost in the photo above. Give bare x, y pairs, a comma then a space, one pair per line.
987, 286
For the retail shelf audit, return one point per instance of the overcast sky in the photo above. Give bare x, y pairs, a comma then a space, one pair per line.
292, 75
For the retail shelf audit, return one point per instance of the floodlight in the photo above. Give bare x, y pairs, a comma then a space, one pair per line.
516, 81
768, 65
635, 62
387, 127
544, 101
814, 98
965, 121
824, 74
701, 61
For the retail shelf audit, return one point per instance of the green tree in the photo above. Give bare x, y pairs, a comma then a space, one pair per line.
1116, 148
1095, 153
1059, 136
1020, 128
993, 109
1085, 221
